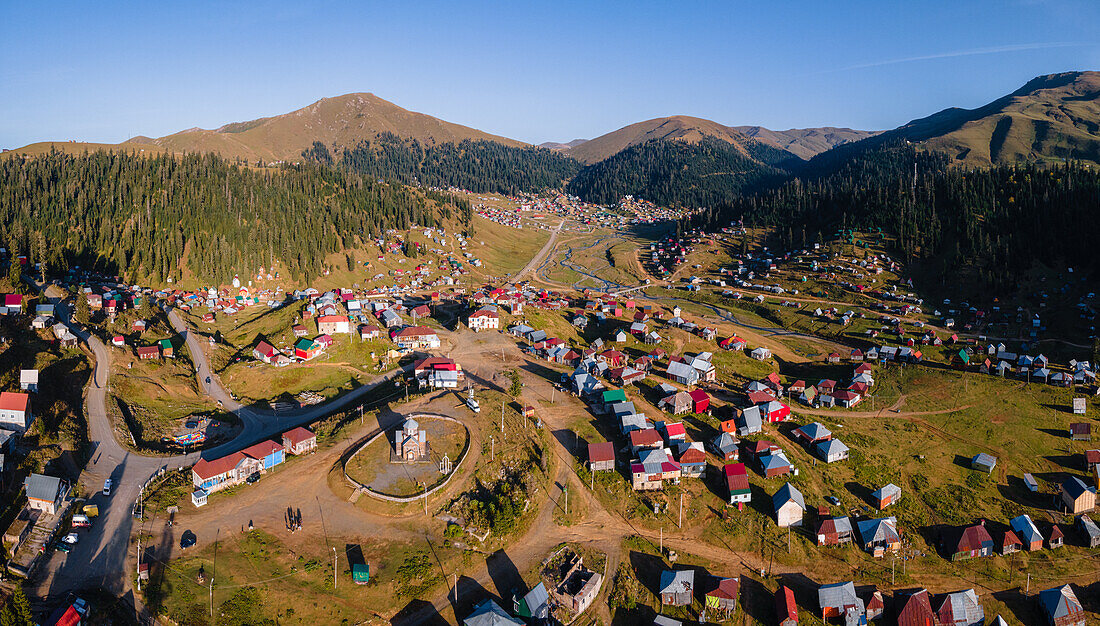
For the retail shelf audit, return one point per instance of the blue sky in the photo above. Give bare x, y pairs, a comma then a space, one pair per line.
533, 71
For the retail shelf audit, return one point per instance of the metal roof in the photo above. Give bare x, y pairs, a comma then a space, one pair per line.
42, 487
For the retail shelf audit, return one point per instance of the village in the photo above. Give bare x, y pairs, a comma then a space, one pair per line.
772, 437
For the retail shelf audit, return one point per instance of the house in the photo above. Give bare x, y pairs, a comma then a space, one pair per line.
960, 608
723, 595
369, 331
15, 411
915, 609
984, 462
725, 446
675, 432
693, 460
737, 482
333, 324
785, 607
1092, 459
678, 403
148, 352
483, 319
28, 380
1029, 536
299, 331
1090, 532
138, 326
613, 358
789, 506
601, 456
1080, 431
879, 536
808, 395
416, 337
700, 401
220, 473
682, 373
1078, 406
733, 343
1010, 543
776, 464
390, 318
1056, 537
775, 411
847, 398
831, 451
885, 496
299, 441
840, 600
268, 454
973, 542
677, 587
1062, 607
118, 341
489, 613
812, 433
1030, 482
45, 493
834, 531
761, 354
264, 352
645, 439
166, 349
307, 349
1078, 497
826, 386
652, 468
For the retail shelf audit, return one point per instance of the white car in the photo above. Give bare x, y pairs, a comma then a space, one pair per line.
107, 487
71, 538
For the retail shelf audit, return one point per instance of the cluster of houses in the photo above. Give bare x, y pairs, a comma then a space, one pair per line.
853, 605
339, 312
247, 465
996, 360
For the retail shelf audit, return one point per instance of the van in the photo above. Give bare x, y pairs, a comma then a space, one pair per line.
91, 510
81, 521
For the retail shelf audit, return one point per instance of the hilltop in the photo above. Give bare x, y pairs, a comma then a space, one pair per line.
1051, 118
677, 127
342, 122
806, 143
556, 145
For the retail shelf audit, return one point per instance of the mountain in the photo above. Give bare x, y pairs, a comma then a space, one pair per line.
678, 127
343, 121
554, 145
1050, 119
806, 143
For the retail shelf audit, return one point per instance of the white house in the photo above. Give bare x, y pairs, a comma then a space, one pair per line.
15, 411
28, 380
483, 319
761, 354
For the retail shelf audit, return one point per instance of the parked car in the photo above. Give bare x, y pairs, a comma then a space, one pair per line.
71, 538
107, 487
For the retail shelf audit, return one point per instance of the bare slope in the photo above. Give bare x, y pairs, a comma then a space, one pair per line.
1051, 118
806, 142
341, 121
678, 127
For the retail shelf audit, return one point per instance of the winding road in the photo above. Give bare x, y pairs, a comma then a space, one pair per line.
102, 556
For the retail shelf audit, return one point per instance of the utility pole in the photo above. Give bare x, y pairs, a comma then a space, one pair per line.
680, 521
334, 565
492, 449
214, 571
1027, 589
788, 540
662, 541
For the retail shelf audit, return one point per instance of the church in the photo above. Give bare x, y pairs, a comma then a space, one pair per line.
411, 443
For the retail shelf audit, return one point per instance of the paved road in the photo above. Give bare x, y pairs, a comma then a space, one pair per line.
104, 552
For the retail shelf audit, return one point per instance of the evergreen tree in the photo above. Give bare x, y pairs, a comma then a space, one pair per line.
15, 272
83, 312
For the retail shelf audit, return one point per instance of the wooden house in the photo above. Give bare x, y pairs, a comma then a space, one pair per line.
723, 595
677, 587
1078, 497
601, 456
789, 506
885, 496
1061, 607
785, 607
299, 441
1010, 543
834, 531
972, 542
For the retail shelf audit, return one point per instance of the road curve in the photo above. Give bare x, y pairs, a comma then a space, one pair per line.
100, 558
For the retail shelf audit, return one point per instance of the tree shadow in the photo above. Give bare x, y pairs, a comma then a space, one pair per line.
504, 574
647, 568
757, 601
418, 612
